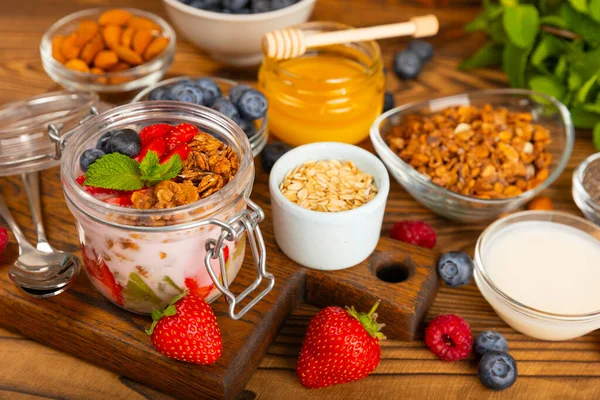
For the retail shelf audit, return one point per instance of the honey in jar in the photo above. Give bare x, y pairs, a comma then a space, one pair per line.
330, 94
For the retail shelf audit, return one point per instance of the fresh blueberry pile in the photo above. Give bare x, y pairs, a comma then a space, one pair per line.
124, 141
239, 6
243, 106
409, 63
497, 369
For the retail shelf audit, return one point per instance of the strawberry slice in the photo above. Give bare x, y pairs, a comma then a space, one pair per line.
192, 285
182, 133
98, 269
183, 150
95, 190
123, 201
157, 145
151, 132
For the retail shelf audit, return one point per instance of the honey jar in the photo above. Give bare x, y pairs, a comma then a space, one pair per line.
330, 94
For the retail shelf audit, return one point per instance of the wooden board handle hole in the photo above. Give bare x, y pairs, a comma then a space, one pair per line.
394, 272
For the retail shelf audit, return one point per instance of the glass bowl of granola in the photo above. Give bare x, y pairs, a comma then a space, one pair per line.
160, 194
474, 156
256, 130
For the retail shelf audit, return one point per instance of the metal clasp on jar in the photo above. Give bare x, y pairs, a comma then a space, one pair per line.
60, 141
245, 222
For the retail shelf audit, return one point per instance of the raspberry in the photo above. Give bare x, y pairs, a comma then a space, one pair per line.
449, 337
414, 232
3, 239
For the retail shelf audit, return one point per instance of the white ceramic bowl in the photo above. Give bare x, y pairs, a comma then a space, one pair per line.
321, 240
230, 38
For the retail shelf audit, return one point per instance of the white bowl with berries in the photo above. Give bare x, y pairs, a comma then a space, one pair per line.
239, 102
231, 31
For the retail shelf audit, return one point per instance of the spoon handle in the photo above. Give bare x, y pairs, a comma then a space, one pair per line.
16, 230
31, 182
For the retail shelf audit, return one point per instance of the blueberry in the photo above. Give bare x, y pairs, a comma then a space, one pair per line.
497, 371
235, 5
101, 144
191, 94
88, 157
211, 90
226, 108
124, 141
455, 268
237, 91
173, 91
388, 101
204, 4
271, 153
490, 341
247, 126
407, 64
260, 6
422, 48
252, 105
160, 93
279, 4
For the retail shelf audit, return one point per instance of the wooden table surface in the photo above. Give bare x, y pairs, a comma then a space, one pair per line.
548, 370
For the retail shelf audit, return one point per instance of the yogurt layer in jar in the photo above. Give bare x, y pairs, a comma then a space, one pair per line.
141, 258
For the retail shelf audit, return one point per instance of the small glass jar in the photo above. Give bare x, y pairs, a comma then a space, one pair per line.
140, 259
330, 94
584, 200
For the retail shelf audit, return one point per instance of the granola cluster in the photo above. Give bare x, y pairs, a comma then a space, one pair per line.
484, 152
210, 165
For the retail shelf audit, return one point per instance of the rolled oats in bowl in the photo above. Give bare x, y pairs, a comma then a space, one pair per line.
328, 186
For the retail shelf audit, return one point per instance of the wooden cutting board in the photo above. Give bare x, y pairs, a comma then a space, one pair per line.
83, 323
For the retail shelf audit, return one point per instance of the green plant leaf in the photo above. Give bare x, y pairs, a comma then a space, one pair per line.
547, 47
581, 24
154, 172
514, 63
574, 80
139, 292
594, 7
596, 137
585, 89
488, 55
562, 66
580, 5
592, 107
521, 24
549, 85
114, 171
553, 20
584, 119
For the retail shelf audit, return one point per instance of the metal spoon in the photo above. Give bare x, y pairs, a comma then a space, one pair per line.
39, 273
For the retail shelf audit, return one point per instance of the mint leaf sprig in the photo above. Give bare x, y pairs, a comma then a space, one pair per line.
119, 172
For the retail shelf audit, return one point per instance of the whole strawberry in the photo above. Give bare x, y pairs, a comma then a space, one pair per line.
187, 330
340, 346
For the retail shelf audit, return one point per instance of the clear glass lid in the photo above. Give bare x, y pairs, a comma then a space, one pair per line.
24, 142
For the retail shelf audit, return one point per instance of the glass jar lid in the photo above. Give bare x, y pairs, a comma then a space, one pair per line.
24, 142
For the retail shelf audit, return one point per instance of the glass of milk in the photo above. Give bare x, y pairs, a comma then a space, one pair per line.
540, 271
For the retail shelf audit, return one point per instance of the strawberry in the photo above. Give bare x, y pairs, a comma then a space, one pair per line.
182, 133
157, 145
151, 132
192, 285
187, 330
183, 150
3, 240
94, 190
98, 269
123, 201
340, 346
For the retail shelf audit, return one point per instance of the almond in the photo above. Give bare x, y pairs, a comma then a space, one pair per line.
112, 36
540, 203
128, 55
99, 71
92, 48
77, 65
70, 49
106, 59
114, 17
127, 37
86, 31
141, 40
143, 23
96, 70
57, 42
121, 66
156, 47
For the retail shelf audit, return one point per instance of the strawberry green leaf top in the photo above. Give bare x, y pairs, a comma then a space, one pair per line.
120, 172
340, 346
187, 330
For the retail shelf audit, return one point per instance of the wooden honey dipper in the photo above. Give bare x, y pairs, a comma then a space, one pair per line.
292, 42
